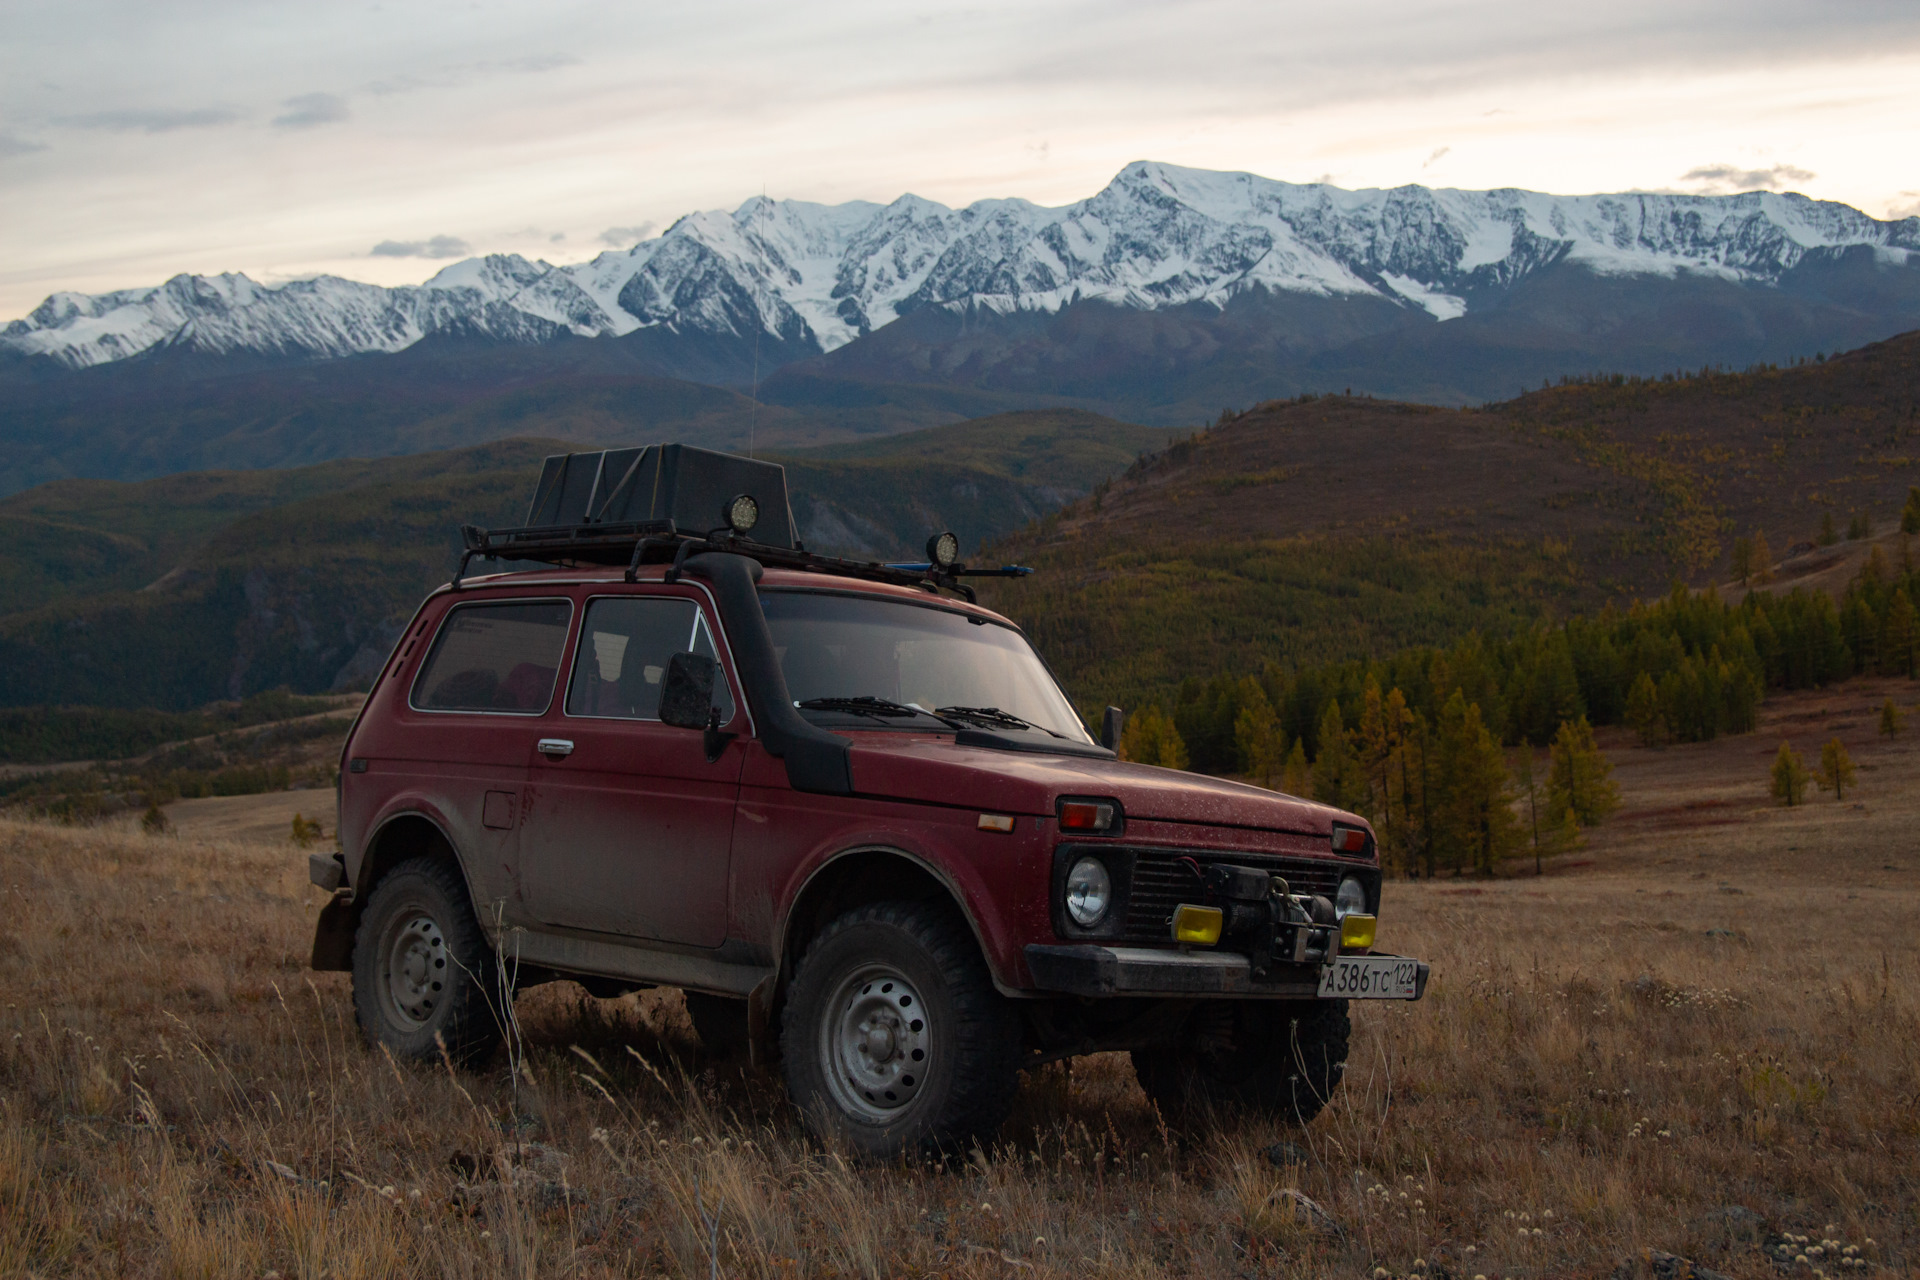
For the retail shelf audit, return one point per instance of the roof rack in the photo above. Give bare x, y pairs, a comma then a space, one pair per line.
636, 543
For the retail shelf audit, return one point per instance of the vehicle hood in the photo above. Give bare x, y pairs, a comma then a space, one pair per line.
930, 768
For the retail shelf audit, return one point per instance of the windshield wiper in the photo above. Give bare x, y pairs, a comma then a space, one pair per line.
864, 705
993, 716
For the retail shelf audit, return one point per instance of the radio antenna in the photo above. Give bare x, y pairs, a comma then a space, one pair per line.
760, 248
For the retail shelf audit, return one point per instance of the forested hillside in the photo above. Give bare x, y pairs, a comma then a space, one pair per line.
1340, 528
173, 592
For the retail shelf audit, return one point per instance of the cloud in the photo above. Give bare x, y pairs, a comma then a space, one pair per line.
1910, 209
556, 237
1720, 179
455, 75
306, 110
438, 247
13, 145
621, 237
1438, 152
532, 62
157, 120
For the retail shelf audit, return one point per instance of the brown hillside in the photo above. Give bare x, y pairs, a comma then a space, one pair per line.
1772, 450
1340, 527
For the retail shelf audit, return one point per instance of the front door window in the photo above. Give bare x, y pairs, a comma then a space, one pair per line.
624, 649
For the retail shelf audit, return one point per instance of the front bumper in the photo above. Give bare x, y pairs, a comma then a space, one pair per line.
1089, 970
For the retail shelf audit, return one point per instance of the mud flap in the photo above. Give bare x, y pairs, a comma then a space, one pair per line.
333, 933
762, 1041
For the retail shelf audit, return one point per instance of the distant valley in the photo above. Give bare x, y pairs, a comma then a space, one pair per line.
1303, 530
207, 585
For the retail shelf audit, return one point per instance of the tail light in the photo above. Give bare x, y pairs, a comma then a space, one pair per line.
1088, 815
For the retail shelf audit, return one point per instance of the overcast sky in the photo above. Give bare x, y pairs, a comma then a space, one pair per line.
140, 138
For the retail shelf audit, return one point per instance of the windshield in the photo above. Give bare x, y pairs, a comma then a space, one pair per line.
835, 648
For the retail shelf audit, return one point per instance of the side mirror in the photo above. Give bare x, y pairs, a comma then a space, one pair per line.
1110, 725
686, 692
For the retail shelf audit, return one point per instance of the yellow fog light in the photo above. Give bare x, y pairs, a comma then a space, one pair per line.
1356, 932
1197, 925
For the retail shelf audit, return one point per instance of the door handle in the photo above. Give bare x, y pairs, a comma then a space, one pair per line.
555, 746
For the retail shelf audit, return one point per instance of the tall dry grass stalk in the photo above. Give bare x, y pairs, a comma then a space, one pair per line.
1604, 1061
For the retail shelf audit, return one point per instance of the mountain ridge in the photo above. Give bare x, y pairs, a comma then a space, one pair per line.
815, 278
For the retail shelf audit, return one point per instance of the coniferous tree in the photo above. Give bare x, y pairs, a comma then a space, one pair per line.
1900, 636
1296, 778
1529, 789
1742, 560
1828, 535
1372, 738
1473, 825
1762, 560
1397, 813
1338, 779
1257, 735
1910, 514
1646, 714
1891, 720
1151, 738
1836, 769
1789, 777
1579, 779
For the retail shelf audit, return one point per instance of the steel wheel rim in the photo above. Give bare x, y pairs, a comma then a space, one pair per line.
876, 1044
416, 966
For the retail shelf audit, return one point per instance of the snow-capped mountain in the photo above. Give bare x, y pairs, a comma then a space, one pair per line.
817, 276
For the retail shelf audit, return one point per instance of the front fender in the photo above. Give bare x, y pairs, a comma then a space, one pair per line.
998, 881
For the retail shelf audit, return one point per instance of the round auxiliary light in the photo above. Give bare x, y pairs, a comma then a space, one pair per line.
1351, 900
743, 513
1089, 892
943, 549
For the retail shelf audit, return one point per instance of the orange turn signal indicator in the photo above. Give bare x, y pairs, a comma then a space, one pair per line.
1000, 822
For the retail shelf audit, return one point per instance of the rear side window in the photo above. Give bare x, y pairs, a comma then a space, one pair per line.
625, 645
495, 657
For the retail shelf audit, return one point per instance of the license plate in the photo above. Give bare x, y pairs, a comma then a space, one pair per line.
1369, 978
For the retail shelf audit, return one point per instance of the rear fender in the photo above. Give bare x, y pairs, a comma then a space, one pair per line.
399, 837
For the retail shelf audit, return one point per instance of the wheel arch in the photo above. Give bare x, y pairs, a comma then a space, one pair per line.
866, 874
399, 838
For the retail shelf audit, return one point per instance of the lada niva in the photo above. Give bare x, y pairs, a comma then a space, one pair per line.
845, 809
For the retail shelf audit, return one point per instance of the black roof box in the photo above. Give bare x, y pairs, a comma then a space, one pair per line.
678, 482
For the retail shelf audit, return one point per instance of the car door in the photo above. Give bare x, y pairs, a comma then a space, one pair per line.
629, 825
476, 707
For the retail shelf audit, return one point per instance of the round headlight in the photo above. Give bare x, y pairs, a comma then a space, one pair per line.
1089, 892
1352, 898
743, 513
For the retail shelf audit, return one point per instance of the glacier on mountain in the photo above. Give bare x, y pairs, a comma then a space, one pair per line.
820, 276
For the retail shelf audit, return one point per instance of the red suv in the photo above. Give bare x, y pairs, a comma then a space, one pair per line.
846, 810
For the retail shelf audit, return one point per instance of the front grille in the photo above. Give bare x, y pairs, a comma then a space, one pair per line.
1162, 882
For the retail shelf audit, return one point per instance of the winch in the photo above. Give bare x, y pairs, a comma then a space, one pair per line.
1254, 912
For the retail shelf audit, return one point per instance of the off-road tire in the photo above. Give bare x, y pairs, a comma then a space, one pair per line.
960, 1087
721, 1022
419, 922
1270, 1056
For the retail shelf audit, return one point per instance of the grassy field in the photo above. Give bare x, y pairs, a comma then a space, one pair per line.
1697, 1035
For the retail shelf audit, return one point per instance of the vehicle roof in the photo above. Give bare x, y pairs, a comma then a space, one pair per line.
775, 578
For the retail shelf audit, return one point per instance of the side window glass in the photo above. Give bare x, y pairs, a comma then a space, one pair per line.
494, 657
704, 646
625, 645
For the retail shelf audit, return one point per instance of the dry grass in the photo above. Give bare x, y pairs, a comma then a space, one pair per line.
1710, 1014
